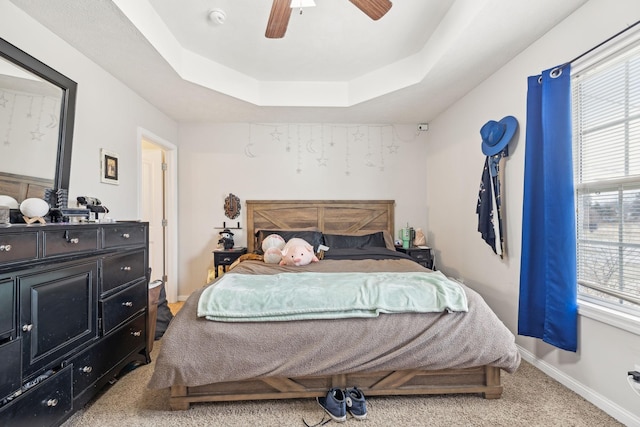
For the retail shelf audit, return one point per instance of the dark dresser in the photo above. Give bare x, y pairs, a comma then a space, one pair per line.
73, 315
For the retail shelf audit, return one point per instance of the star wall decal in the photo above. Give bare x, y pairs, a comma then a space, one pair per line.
357, 135
275, 135
36, 135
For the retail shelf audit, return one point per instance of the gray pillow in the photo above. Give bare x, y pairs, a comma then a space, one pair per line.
343, 241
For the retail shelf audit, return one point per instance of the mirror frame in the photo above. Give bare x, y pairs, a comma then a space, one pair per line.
67, 108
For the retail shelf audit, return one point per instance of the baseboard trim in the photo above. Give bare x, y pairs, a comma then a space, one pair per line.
611, 408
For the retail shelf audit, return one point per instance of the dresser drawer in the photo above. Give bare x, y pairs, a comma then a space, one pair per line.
121, 269
18, 247
89, 367
123, 305
124, 235
94, 363
7, 312
69, 241
10, 372
42, 405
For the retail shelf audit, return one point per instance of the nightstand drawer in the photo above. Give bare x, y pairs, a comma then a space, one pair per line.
224, 258
123, 305
420, 255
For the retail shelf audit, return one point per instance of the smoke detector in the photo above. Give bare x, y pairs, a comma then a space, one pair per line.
217, 16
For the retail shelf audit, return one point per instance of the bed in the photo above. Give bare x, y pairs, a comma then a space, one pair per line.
446, 352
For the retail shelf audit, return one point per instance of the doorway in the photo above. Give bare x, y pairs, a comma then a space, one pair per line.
158, 207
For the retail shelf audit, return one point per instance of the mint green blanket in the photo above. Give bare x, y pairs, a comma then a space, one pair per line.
309, 295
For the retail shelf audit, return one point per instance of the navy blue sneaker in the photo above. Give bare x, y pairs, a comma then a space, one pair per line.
356, 405
334, 404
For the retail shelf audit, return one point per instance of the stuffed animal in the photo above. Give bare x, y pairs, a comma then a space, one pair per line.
272, 247
298, 252
226, 239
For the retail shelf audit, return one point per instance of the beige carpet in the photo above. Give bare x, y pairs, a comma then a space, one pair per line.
530, 398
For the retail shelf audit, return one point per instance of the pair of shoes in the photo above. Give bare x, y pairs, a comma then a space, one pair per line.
338, 402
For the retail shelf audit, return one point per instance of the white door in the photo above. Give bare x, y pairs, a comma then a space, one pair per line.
153, 207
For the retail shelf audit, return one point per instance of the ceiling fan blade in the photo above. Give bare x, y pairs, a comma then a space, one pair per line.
375, 9
278, 19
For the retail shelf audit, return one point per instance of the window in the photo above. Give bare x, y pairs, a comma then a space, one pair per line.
606, 112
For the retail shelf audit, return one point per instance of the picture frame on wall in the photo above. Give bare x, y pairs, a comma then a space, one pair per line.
109, 167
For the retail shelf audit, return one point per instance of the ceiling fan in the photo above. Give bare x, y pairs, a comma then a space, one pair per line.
281, 11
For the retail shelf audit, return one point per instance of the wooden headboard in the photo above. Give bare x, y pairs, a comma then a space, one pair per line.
22, 187
329, 216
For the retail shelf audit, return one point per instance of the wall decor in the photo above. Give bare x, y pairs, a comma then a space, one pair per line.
109, 167
232, 206
353, 145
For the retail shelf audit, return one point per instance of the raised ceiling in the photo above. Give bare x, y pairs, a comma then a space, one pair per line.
334, 64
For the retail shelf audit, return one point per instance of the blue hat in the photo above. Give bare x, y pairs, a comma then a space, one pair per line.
496, 135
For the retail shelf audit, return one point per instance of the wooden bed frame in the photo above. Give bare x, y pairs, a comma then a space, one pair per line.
22, 187
336, 216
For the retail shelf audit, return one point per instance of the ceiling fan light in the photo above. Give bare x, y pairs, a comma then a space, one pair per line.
302, 3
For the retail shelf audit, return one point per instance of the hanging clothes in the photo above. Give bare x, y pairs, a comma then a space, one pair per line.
495, 145
488, 207
548, 279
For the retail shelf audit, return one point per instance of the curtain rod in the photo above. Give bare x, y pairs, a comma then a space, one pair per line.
600, 44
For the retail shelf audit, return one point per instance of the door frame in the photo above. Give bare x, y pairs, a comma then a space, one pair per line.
171, 205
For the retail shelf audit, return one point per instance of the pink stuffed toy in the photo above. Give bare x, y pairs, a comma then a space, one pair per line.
298, 252
272, 247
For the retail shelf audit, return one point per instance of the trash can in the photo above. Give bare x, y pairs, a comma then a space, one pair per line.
154, 296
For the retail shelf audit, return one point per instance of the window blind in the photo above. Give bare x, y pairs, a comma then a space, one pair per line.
606, 102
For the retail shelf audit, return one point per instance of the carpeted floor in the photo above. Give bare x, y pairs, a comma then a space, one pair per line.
530, 398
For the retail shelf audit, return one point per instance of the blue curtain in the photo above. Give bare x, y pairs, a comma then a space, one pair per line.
548, 303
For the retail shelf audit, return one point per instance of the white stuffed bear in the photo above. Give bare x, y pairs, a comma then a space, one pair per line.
272, 247
298, 252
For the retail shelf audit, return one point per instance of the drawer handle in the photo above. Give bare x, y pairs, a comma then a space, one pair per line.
227, 259
27, 328
52, 402
125, 268
136, 333
5, 248
86, 369
73, 240
127, 304
125, 235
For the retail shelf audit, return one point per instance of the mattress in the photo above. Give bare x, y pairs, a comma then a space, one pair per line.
196, 351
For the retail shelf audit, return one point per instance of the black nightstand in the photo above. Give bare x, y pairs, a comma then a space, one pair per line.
225, 257
420, 255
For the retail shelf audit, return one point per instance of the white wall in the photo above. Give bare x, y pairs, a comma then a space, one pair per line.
455, 159
108, 114
290, 161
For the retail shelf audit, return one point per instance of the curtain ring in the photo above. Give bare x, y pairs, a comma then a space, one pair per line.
540, 79
556, 72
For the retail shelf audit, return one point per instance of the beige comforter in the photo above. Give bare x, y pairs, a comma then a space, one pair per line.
196, 351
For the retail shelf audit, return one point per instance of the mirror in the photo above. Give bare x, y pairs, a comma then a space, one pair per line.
37, 107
